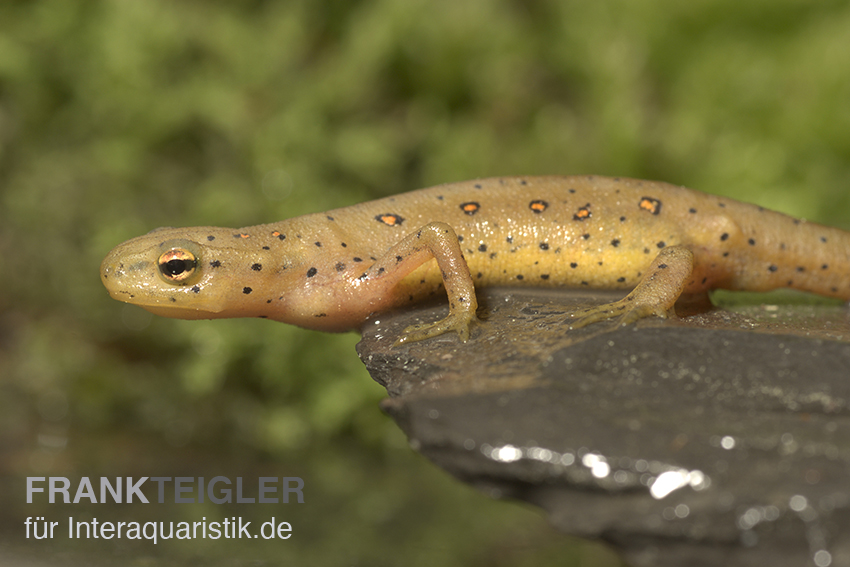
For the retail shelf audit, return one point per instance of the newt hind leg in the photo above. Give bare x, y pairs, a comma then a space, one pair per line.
655, 294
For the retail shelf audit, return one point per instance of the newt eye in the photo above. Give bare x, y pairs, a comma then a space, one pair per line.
177, 265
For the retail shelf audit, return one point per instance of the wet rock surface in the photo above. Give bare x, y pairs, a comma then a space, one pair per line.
718, 439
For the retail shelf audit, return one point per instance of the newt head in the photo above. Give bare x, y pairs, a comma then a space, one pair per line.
198, 273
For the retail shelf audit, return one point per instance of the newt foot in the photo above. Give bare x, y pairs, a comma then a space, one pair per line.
459, 322
626, 311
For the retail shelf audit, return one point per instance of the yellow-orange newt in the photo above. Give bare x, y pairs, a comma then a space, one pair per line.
332, 270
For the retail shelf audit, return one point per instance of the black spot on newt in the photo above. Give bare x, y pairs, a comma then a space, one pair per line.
615, 242
585, 236
544, 246
196, 289
824, 267
356, 259
215, 264
823, 239
724, 236
519, 276
751, 242
544, 276
266, 248
340, 267
482, 248
772, 268
330, 218
256, 267
311, 272
318, 244
692, 210
210, 237
398, 259
247, 290
661, 244
621, 279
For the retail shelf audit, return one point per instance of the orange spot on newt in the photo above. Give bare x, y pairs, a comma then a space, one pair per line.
583, 213
470, 208
538, 206
390, 219
651, 205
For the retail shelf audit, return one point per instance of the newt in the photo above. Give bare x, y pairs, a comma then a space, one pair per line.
331, 271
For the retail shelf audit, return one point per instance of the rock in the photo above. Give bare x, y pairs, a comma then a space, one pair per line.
719, 439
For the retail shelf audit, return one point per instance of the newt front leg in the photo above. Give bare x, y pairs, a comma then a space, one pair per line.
435, 240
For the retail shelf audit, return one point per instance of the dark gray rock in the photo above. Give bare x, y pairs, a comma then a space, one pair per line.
719, 439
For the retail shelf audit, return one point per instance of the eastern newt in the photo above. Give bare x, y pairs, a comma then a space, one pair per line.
332, 270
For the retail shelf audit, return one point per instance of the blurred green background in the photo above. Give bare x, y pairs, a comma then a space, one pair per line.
117, 117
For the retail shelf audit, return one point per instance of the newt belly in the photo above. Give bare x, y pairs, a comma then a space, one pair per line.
331, 271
